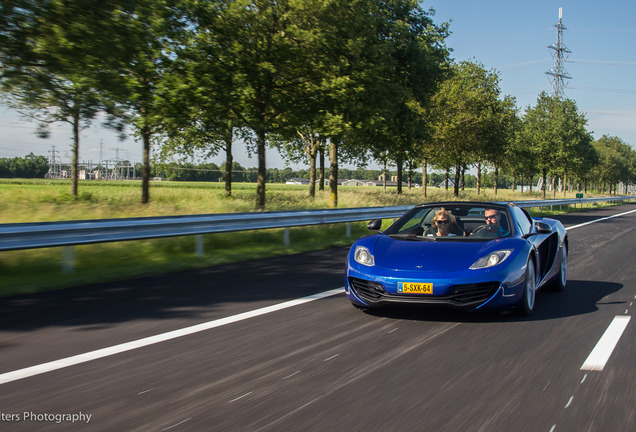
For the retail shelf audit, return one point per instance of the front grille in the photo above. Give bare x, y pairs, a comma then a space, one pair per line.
368, 290
473, 293
460, 296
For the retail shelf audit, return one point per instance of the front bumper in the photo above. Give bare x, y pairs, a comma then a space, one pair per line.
467, 296
486, 289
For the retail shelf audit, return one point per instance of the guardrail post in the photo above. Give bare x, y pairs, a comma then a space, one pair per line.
68, 259
348, 225
198, 245
286, 237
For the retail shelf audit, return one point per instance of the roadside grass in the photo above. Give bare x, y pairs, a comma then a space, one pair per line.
28, 271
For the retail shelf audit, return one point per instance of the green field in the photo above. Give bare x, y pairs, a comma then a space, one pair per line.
49, 200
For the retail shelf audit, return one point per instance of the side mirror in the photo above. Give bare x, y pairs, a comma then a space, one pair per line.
375, 225
542, 227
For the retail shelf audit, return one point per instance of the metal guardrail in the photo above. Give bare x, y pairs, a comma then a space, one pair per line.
69, 233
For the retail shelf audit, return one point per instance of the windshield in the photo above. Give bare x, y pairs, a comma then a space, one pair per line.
453, 222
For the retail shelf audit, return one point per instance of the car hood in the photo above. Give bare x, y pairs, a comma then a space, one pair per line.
435, 256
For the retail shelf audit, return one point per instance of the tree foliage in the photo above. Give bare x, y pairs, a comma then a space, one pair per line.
30, 166
356, 79
555, 132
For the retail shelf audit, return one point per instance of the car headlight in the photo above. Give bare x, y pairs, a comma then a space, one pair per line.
491, 259
363, 256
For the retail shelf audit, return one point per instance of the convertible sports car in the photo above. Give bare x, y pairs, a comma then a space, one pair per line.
492, 256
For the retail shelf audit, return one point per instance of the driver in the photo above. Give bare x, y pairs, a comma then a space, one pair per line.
493, 228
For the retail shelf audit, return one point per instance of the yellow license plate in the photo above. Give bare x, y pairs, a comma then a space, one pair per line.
415, 288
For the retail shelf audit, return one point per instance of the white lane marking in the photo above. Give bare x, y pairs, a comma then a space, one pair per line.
331, 358
599, 220
175, 425
140, 343
289, 376
241, 397
584, 377
569, 402
603, 349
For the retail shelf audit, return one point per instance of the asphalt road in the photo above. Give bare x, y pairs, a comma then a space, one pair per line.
248, 357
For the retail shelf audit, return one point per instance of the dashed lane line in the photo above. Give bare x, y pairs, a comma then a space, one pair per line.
601, 353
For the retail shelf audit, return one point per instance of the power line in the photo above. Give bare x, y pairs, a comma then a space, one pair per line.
604, 62
605, 90
610, 113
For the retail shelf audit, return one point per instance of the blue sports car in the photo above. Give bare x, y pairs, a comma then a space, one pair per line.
465, 255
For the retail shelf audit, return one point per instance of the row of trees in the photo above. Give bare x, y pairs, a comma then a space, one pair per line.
215, 173
615, 163
343, 80
192, 75
30, 166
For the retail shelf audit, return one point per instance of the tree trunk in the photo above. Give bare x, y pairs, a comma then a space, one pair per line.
458, 172
145, 170
496, 178
545, 181
333, 173
463, 181
399, 175
384, 177
425, 175
447, 178
321, 182
262, 171
311, 152
75, 153
478, 178
229, 164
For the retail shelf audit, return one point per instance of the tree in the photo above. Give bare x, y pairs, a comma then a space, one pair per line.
50, 64
556, 134
142, 37
520, 160
30, 166
616, 161
269, 54
465, 112
501, 135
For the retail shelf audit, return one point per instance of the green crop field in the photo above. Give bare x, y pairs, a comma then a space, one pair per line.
34, 270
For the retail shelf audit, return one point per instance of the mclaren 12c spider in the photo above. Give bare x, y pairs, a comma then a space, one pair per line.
464, 255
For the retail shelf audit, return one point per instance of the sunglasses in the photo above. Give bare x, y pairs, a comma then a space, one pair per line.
491, 217
441, 221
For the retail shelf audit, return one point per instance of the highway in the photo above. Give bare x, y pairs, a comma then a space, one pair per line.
273, 345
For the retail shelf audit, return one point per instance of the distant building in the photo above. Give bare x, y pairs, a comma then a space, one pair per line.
451, 184
355, 182
298, 181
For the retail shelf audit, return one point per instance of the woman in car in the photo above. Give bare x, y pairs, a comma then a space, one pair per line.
442, 225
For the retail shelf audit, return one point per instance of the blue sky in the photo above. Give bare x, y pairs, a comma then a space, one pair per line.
510, 37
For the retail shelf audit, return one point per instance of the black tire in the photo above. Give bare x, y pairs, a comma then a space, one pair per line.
562, 278
529, 290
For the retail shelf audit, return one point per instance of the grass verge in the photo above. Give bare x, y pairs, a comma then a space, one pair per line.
28, 271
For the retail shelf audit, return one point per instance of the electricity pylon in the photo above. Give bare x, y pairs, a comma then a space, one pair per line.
560, 52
